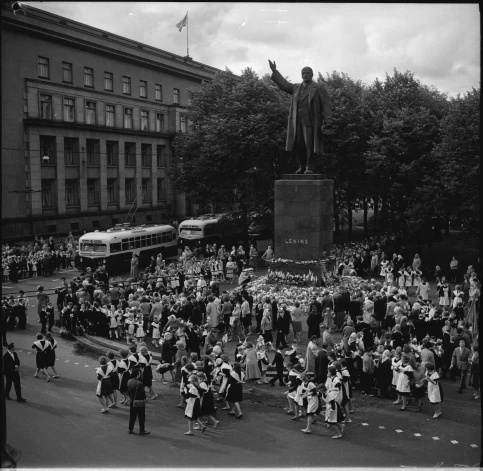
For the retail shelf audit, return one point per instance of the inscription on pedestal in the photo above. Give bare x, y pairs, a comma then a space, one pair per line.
303, 216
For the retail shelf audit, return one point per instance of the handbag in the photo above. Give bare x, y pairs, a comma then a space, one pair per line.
138, 402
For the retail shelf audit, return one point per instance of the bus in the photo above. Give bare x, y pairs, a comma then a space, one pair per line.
114, 247
223, 228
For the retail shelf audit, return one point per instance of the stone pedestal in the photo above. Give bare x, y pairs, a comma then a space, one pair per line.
303, 217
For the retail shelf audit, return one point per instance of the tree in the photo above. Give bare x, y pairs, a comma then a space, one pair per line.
344, 159
233, 151
407, 130
450, 187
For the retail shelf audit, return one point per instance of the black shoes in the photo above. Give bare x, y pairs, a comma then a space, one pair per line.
21, 400
144, 433
8, 398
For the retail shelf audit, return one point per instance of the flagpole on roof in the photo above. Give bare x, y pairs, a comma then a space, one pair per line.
187, 43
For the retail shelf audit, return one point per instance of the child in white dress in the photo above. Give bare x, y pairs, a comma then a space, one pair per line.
434, 391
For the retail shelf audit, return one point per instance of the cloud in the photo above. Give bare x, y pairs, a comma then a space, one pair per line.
440, 43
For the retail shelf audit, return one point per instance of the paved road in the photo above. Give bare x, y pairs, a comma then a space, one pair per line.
61, 426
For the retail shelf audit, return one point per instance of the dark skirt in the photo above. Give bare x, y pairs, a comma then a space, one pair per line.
148, 376
207, 403
267, 336
106, 387
125, 378
418, 393
41, 360
50, 358
114, 381
235, 393
196, 410
247, 321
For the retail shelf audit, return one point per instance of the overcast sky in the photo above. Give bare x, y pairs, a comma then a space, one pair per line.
440, 43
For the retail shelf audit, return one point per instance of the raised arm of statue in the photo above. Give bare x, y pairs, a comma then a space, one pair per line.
279, 80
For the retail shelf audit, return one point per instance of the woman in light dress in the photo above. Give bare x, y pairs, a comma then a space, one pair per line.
434, 389
333, 399
252, 372
311, 400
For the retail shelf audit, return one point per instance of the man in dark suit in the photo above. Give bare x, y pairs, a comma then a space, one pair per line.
310, 116
11, 365
136, 393
321, 365
460, 360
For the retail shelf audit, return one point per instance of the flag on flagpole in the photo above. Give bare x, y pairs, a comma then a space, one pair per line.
182, 23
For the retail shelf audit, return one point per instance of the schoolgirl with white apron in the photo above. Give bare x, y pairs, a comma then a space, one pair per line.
129, 326
408, 274
140, 334
156, 332
416, 277
41, 346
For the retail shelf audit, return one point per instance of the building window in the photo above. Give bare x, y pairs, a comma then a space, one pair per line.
112, 151
160, 190
71, 151
128, 118
88, 77
45, 106
92, 191
126, 85
48, 193
183, 124
112, 191
90, 112
66, 72
92, 151
145, 189
108, 81
146, 153
143, 89
159, 122
71, 193
158, 92
129, 190
129, 154
47, 150
176, 95
144, 120
69, 109
43, 68
161, 156
110, 116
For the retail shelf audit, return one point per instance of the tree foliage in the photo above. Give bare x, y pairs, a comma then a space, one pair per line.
398, 143
234, 150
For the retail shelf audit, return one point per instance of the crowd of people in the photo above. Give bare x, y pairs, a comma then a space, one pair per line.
41, 257
389, 347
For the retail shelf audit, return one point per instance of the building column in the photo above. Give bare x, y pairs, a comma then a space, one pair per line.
60, 175
103, 175
154, 177
122, 177
35, 174
138, 176
83, 175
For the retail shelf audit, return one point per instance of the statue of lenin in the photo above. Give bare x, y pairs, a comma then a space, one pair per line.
310, 116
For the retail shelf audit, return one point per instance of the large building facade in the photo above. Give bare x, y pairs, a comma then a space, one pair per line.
88, 121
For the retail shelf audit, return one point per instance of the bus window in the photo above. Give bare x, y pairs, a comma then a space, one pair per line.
116, 247
173, 236
148, 240
138, 242
125, 245
131, 243
143, 241
90, 246
163, 237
